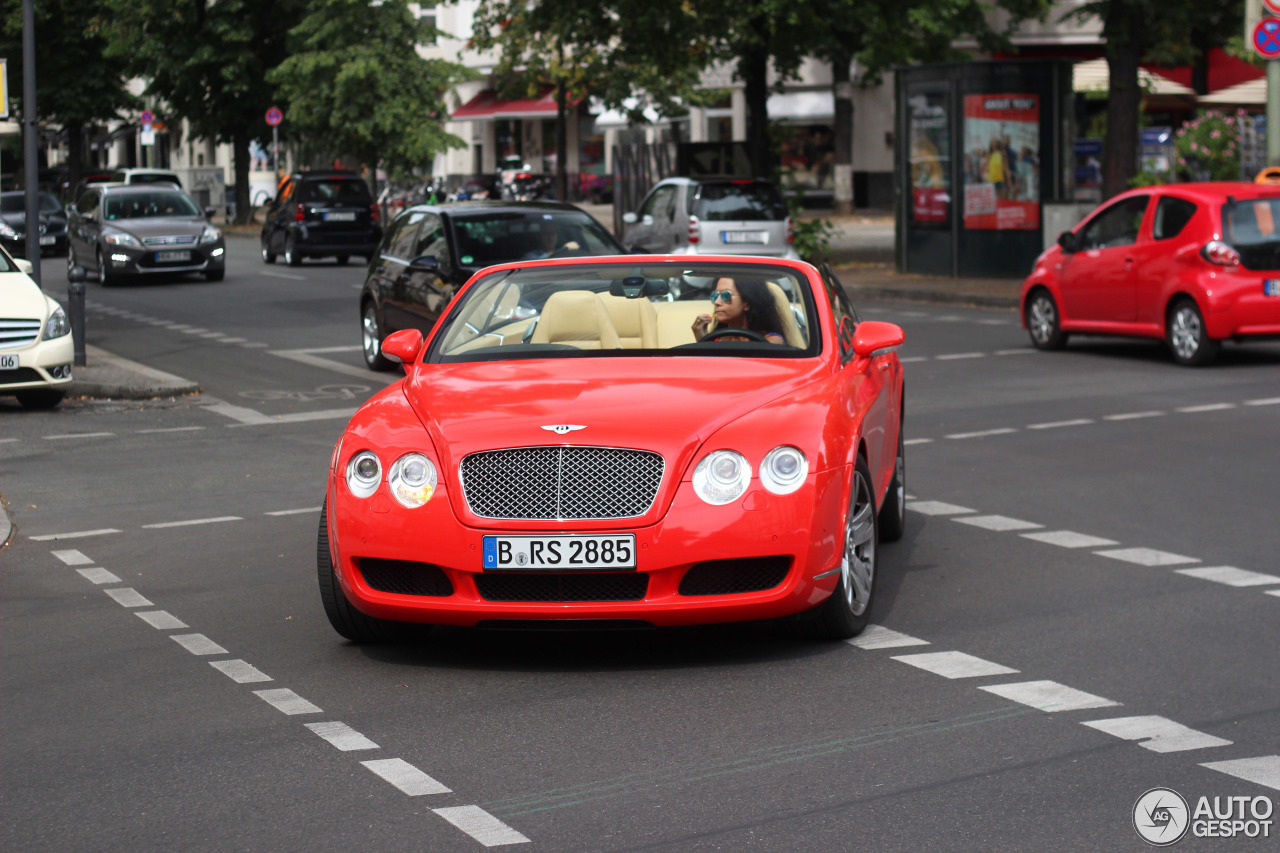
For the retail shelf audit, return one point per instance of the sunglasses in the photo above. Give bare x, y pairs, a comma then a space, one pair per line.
725, 296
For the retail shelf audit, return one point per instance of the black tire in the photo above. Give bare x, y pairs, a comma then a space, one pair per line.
371, 339
104, 277
40, 398
291, 256
216, 275
342, 260
846, 613
1043, 322
268, 256
345, 619
893, 513
1188, 339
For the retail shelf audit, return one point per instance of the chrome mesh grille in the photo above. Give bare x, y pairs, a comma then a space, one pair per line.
561, 482
180, 240
19, 333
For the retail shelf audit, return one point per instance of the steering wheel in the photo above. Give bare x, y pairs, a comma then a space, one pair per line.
726, 331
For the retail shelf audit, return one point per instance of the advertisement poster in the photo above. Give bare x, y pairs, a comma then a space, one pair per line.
930, 167
1002, 162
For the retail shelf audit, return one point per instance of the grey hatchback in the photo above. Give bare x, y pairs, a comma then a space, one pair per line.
712, 216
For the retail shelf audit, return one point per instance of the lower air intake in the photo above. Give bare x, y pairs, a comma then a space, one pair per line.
405, 577
606, 586
728, 577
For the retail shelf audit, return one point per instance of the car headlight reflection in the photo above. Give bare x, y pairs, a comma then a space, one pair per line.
57, 325
210, 235
412, 479
784, 470
721, 477
364, 473
119, 238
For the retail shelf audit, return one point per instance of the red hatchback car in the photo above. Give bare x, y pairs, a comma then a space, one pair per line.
565, 448
1192, 264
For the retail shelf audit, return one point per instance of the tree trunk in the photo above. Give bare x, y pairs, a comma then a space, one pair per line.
753, 69
240, 160
562, 141
75, 155
1123, 31
842, 89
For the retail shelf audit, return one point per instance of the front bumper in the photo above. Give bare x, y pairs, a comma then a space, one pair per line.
45, 364
804, 527
129, 260
50, 244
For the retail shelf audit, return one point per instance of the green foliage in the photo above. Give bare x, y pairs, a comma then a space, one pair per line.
355, 81
1149, 179
812, 235
1209, 146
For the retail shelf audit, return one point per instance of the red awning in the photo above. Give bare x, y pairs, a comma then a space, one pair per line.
487, 106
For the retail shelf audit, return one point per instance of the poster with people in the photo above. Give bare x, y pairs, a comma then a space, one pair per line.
1002, 162
930, 164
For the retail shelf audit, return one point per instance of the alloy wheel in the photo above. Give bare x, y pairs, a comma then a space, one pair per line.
1186, 332
857, 567
1042, 319
369, 332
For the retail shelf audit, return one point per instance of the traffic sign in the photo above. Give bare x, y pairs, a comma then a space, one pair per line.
274, 116
1272, 7
1266, 38
148, 117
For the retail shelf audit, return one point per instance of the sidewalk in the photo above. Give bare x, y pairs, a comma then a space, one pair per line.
866, 281
110, 377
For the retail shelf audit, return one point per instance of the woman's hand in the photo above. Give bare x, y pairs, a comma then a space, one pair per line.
701, 326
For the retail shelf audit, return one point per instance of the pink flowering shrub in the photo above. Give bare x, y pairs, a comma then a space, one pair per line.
1209, 146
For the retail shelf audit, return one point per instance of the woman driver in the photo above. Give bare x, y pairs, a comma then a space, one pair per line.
742, 304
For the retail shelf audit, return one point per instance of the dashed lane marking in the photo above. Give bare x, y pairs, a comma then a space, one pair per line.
198, 644
1133, 416
481, 826
1048, 696
937, 508
918, 441
403, 775
128, 597
282, 275
1270, 401
73, 558
171, 429
78, 534
1208, 407
954, 664
191, 522
286, 701
239, 671
78, 435
1069, 539
1275, 592
1230, 575
997, 522
1059, 424
341, 736
1264, 770
1146, 556
982, 433
305, 509
960, 355
1158, 734
98, 576
161, 620
880, 637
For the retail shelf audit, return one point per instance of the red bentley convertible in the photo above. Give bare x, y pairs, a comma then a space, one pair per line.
565, 446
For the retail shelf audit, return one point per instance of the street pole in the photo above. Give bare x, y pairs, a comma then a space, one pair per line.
75, 310
1273, 112
31, 134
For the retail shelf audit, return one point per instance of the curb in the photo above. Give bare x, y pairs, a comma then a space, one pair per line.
6, 527
111, 377
935, 296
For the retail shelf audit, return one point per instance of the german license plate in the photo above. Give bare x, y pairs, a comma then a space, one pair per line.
340, 216
48, 240
9, 362
168, 257
743, 236
559, 553
1271, 287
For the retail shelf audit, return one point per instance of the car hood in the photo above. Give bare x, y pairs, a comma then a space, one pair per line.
668, 405
159, 226
20, 299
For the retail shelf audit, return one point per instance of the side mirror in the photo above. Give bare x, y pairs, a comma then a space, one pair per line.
403, 345
873, 338
23, 265
1067, 240
647, 220
424, 263
630, 218
209, 212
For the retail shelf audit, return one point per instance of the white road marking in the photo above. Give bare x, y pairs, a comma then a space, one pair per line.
190, 522
179, 326
912, 359
237, 413
880, 637
286, 701
409, 779
1146, 556
1230, 575
9, 440
254, 345
993, 322
948, 318
997, 522
161, 620
1048, 696
954, 664
936, 508
1132, 416
233, 340
98, 576
239, 671
214, 335
1015, 352
198, 644
1264, 770
1210, 407
481, 826
982, 433
79, 534
1158, 734
72, 558
918, 441
1270, 401
311, 357
299, 417
78, 435
193, 331
295, 511
960, 355
1056, 424
1275, 592
171, 429
1069, 539
283, 275
341, 736
128, 597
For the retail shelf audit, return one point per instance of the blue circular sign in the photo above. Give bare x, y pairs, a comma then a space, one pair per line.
1266, 37
148, 117
274, 116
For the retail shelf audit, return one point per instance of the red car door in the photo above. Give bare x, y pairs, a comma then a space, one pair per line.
1163, 258
1097, 280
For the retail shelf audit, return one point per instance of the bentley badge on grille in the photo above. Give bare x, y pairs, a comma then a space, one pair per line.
561, 429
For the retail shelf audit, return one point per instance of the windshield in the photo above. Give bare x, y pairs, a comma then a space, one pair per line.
1251, 227
149, 205
593, 310
335, 190
753, 201
17, 203
499, 238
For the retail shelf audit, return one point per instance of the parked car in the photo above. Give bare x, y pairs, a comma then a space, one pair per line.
711, 216
36, 350
538, 464
125, 231
1192, 264
429, 251
321, 214
148, 176
13, 223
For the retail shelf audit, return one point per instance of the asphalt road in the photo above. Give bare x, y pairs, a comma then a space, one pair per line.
1086, 606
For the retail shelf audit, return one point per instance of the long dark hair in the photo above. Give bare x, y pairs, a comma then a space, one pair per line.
763, 314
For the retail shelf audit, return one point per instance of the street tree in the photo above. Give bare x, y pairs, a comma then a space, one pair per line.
77, 85
355, 80
206, 62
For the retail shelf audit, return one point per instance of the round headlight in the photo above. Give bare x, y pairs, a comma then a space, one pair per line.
721, 477
57, 325
784, 470
364, 473
412, 479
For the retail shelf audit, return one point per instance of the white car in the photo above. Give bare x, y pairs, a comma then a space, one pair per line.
712, 216
36, 351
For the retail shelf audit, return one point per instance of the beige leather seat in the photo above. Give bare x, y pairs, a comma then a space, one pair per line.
675, 321
634, 320
577, 318
790, 328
